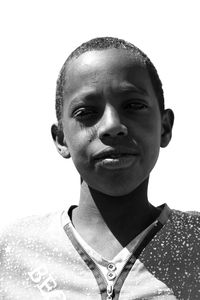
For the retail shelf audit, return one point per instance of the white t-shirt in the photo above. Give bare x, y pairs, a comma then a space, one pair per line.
44, 258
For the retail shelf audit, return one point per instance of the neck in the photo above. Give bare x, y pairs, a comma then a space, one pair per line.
126, 216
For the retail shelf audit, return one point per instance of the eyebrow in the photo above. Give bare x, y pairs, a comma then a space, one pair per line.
124, 88
88, 96
127, 87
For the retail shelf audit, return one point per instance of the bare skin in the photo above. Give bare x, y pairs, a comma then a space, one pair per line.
109, 223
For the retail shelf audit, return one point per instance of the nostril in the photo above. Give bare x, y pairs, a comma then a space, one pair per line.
120, 133
112, 131
106, 134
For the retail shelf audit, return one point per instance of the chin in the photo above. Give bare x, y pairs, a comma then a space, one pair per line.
117, 190
116, 185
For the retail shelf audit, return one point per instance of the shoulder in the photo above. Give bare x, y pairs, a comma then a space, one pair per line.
29, 226
29, 243
32, 250
187, 214
178, 239
183, 229
181, 234
173, 254
186, 222
28, 234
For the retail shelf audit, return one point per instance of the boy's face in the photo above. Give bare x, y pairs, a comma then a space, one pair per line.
112, 124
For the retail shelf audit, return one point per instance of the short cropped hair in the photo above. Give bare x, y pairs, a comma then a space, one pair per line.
103, 43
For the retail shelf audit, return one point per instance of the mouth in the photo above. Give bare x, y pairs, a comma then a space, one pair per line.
114, 159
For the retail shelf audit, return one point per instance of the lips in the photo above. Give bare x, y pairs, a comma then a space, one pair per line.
114, 159
114, 153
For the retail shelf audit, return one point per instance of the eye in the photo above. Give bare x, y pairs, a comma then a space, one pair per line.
136, 106
84, 113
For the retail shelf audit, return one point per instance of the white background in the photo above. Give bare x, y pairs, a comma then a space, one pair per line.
36, 38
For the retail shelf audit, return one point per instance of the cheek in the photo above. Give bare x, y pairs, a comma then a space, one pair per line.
149, 138
78, 139
153, 146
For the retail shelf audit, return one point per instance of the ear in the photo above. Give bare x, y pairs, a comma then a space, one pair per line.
58, 138
167, 124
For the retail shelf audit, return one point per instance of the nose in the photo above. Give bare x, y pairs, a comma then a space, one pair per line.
110, 125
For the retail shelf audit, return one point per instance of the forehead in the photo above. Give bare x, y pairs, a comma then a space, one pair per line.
113, 69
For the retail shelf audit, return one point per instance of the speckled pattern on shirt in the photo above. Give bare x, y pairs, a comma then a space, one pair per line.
173, 256
38, 261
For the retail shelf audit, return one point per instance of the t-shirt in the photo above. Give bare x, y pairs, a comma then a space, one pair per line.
43, 257
112, 268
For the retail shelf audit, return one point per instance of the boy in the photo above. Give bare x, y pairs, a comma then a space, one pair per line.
115, 244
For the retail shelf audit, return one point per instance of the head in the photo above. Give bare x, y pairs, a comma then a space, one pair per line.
111, 115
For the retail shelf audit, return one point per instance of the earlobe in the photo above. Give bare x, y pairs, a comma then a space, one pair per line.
58, 138
167, 124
